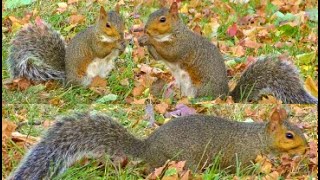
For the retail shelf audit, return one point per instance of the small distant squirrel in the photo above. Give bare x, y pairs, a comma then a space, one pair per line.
199, 68
39, 53
196, 139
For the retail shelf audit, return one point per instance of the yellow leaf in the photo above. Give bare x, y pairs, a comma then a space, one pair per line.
311, 86
184, 9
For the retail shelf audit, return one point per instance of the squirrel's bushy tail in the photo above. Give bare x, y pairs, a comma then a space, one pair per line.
37, 53
272, 76
72, 138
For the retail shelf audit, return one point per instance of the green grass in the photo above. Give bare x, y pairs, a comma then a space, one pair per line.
30, 108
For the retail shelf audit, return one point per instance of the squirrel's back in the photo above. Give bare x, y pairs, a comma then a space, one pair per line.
37, 53
199, 138
270, 75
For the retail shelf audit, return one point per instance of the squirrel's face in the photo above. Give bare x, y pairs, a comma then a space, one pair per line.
161, 22
111, 26
286, 137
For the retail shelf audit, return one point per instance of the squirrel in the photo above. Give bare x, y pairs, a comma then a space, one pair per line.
199, 70
39, 53
197, 139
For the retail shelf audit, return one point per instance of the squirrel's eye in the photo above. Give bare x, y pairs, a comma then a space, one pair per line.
163, 19
108, 25
289, 135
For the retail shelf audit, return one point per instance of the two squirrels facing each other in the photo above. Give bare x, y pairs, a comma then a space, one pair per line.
39, 53
196, 139
199, 70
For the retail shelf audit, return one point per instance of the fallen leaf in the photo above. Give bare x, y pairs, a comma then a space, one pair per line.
138, 90
232, 30
72, 1
269, 100
17, 84
161, 108
181, 110
56, 101
272, 176
311, 86
138, 101
265, 164
197, 29
98, 82
7, 128
125, 82
47, 123
76, 19
62, 6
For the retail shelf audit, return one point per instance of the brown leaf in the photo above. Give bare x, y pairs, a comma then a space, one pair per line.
138, 90
7, 128
62, 6
156, 173
311, 86
56, 101
72, 1
98, 82
51, 85
270, 100
161, 108
238, 51
76, 19
22, 83
146, 68
138, 101
47, 123
265, 164
197, 29
251, 44
185, 175
17, 84
272, 176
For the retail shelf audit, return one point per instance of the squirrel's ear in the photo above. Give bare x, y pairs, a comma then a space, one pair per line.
174, 8
103, 13
117, 8
278, 115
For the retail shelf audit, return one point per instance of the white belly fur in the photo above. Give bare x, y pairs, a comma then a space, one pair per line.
100, 67
183, 80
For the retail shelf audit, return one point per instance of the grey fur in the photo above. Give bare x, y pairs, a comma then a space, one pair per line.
37, 53
195, 139
272, 76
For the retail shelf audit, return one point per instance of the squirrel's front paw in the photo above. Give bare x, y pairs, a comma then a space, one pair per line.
143, 40
122, 46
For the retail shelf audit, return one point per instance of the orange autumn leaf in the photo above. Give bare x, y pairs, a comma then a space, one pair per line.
311, 86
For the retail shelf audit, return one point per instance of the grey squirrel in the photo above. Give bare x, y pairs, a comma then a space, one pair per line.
39, 53
199, 69
196, 139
